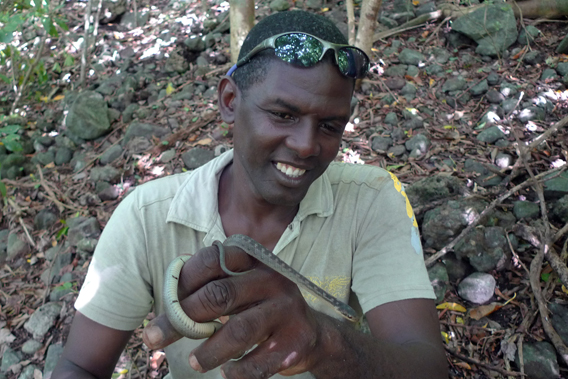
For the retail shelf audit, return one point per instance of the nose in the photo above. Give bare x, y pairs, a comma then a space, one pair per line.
303, 139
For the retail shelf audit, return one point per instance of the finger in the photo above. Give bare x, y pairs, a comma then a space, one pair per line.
205, 267
160, 333
236, 337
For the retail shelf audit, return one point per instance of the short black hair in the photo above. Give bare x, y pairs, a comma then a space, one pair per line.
291, 21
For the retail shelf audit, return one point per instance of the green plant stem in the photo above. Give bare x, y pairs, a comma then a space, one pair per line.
28, 73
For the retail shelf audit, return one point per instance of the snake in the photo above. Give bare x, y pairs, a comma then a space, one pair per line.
194, 330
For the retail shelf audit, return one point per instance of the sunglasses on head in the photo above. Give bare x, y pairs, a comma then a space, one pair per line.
303, 49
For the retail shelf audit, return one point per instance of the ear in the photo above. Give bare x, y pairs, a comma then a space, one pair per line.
228, 96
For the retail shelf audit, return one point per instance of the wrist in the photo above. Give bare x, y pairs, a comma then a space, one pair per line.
330, 342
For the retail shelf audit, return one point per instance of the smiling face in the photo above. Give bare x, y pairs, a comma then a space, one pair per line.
287, 129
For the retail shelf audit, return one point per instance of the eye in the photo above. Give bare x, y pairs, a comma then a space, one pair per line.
282, 115
331, 128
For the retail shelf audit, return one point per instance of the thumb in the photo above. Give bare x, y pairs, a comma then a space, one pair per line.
160, 333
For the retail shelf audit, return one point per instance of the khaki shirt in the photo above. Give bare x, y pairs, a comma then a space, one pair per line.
355, 235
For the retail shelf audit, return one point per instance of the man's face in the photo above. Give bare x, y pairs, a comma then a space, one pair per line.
288, 129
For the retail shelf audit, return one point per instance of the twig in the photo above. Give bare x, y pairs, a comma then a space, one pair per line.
560, 233
51, 195
432, 259
28, 73
135, 6
26, 231
481, 364
412, 24
560, 124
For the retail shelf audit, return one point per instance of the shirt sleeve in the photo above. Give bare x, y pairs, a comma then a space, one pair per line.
388, 263
117, 291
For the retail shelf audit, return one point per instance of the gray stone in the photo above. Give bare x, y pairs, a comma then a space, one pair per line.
560, 209
87, 244
509, 105
44, 158
31, 346
59, 293
533, 57
483, 248
493, 78
425, 8
532, 113
105, 173
9, 358
197, 157
54, 352
413, 123
128, 19
61, 260
111, 154
477, 288
539, 360
202, 62
441, 55
503, 160
454, 84
11, 166
167, 156
417, 145
63, 156
138, 145
490, 135
402, 6
559, 319
109, 193
526, 209
81, 227
176, 63
313, 4
28, 372
563, 46
408, 91
457, 40
562, 68
395, 83
279, 5
396, 70
508, 89
412, 71
439, 280
434, 69
137, 129
527, 35
494, 97
45, 219
483, 179
42, 320
113, 114
380, 143
391, 119
16, 247
457, 269
388, 22
397, 150
88, 116
411, 57
549, 74
128, 113
194, 43
493, 27
432, 188
480, 88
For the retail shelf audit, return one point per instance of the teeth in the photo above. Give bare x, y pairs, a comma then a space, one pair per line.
293, 172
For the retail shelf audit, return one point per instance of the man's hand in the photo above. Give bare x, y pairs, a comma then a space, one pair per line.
269, 311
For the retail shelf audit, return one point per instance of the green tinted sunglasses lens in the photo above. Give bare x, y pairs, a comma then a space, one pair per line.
298, 49
352, 62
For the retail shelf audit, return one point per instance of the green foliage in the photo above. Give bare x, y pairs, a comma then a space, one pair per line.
9, 137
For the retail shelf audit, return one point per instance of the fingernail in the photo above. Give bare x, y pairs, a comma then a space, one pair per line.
223, 374
154, 335
195, 364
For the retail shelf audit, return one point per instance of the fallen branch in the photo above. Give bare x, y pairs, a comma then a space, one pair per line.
481, 364
412, 24
537, 141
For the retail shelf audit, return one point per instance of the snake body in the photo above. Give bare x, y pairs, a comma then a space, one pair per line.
191, 329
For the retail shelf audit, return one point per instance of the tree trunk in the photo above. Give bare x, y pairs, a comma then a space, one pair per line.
367, 24
540, 8
242, 19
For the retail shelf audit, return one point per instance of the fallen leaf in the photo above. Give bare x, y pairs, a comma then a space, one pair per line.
452, 307
484, 310
157, 359
169, 89
446, 337
564, 289
58, 98
204, 141
6, 337
463, 365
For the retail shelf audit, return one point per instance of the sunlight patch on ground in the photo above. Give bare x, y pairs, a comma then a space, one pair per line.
350, 156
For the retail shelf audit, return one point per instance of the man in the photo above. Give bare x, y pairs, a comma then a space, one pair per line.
348, 228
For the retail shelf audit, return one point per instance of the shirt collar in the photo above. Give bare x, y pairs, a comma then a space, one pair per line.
195, 202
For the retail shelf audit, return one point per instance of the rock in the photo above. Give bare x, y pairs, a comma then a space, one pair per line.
539, 360
432, 188
31, 346
493, 78
42, 320
63, 156
128, 19
28, 372
113, 114
167, 156
313, 4
137, 129
563, 46
138, 145
50, 274
412, 71
527, 35
87, 245
458, 40
562, 68
176, 63
441, 55
194, 43
417, 145
44, 158
484, 173
549, 74
395, 83
396, 70
533, 57
454, 84
58, 293
88, 116
397, 150
391, 119
503, 160
54, 352
490, 135
509, 105
105, 173
408, 91
109, 193
82, 227
493, 27
45, 219
9, 358
387, 22
439, 280
494, 97
413, 123
425, 8
128, 113
559, 319
532, 113
477, 288
11, 165
560, 209
379, 143
556, 187
526, 209
279, 5
483, 248
411, 57
508, 89
456, 268
110, 155
16, 247
197, 157
480, 88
